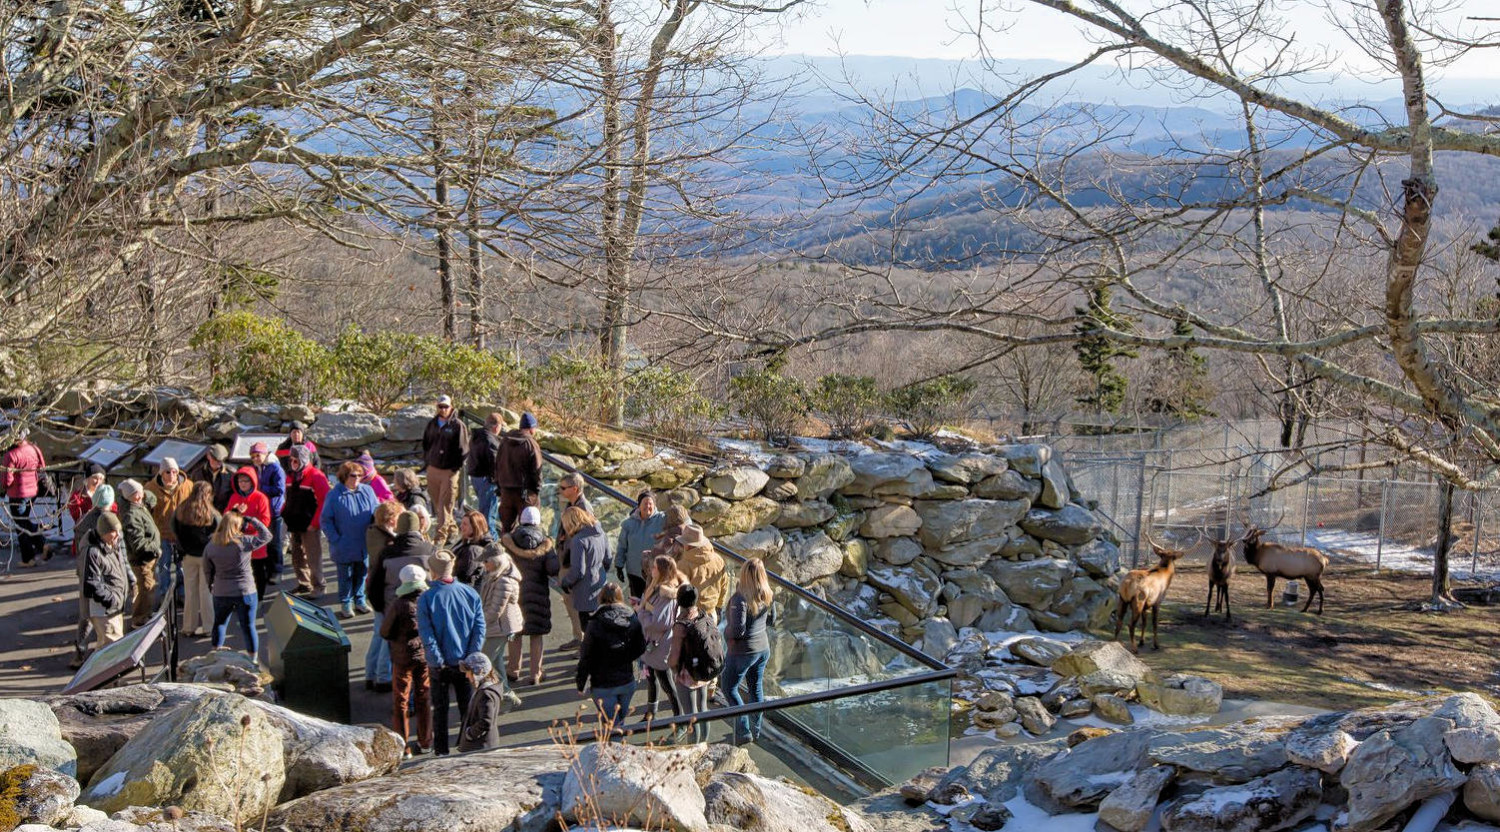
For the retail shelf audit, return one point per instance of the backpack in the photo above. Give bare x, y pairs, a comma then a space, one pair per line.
702, 654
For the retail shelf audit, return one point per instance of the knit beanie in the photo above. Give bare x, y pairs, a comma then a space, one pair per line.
108, 522
408, 522
104, 496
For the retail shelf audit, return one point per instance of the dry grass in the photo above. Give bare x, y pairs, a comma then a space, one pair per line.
1370, 634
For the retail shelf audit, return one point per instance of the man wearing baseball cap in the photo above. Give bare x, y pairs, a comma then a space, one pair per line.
445, 444
272, 484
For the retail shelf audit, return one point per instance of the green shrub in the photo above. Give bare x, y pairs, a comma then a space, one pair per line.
853, 405
928, 405
262, 357
773, 404
575, 386
469, 374
669, 403
377, 368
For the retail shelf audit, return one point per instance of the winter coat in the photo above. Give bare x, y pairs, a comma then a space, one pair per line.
518, 462
192, 540
222, 482
636, 536
284, 452
481, 459
588, 569
745, 633
227, 567
611, 644
501, 594
273, 485
142, 538
531, 561
22, 464
345, 518
657, 613
382, 490
106, 578
306, 491
469, 558
704, 569
481, 725
664, 540
167, 501
257, 504
416, 497
399, 627
376, 539
386, 564
445, 445
79, 504
85, 524
450, 618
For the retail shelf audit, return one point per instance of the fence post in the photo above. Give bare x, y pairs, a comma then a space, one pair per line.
1313, 503
1476, 520
1306, 504
1168, 501
1140, 496
1385, 502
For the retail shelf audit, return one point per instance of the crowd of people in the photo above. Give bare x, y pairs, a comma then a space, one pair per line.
457, 596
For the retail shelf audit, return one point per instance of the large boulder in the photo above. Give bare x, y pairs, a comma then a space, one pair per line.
1180, 694
890, 520
1031, 583
1129, 808
765, 543
1080, 777
914, 587
878, 474
1091, 656
1233, 753
720, 517
735, 482
1395, 769
613, 452
786, 467
823, 475
558, 443
441, 794
1040, 651
946, 522
218, 754
351, 429
807, 557
99, 723
1326, 751
409, 423
1073, 525
1008, 485
750, 803
634, 469
622, 785
41, 795
856, 558
898, 551
1028, 459
804, 514
998, 772
964, 469
1482, 792
1099, 558
1277, 801
30, 735
1055, 492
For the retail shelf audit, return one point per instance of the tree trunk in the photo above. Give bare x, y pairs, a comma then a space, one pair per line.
1442, 586
476, 284
444, 239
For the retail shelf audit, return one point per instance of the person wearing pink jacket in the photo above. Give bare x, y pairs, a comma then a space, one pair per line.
23, 465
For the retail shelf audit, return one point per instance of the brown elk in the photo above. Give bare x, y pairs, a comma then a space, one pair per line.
1279, 560
1143, 590
1220, 573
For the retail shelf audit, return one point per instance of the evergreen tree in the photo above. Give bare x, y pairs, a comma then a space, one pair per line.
1097, 352
1182, 388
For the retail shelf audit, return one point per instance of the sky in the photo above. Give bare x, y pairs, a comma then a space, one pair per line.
943, 29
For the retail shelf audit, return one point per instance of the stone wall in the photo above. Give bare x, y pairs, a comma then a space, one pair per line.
921, 542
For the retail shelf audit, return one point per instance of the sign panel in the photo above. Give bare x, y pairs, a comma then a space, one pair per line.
240, 450
114, 660
107, 452
187, 454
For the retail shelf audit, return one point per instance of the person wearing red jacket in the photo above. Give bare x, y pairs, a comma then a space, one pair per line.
306, 489
23, 465
82, 498
257, 505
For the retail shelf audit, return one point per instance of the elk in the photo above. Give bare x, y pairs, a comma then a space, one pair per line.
1278, 560
1143, 590
1220, 572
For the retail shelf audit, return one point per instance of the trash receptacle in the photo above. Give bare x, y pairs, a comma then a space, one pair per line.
308, 653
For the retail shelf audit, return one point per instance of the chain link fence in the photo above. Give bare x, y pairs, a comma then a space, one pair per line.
1181, 495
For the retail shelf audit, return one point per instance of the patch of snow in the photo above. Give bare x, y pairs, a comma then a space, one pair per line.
1384, 688
1366, 547
920, 450
749, 450
831, 446
1026, 817
109, 786
1217, 800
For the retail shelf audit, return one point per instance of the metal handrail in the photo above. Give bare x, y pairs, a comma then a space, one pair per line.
835, 610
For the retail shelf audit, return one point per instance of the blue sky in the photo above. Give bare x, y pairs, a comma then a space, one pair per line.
943, 29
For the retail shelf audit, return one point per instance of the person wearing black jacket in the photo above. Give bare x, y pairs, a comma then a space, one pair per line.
194, 523
606, 660
445, 444
384, 578
217, 474
106, 579
518, 470
491, 699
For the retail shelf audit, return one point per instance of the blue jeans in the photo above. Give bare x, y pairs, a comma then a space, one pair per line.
378, 655
277, 550
749, 668
352, 583
614, 703
242, 606
487, 502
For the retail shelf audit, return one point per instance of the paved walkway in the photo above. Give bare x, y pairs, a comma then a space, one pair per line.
37, 621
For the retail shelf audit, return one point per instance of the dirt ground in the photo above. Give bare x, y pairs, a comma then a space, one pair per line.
1371, 646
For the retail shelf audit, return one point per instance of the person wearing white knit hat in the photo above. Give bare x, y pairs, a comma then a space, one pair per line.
410, 682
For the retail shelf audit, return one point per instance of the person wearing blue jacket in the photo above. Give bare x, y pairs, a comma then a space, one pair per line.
347, 513
450, 620
273, 485
637, 534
